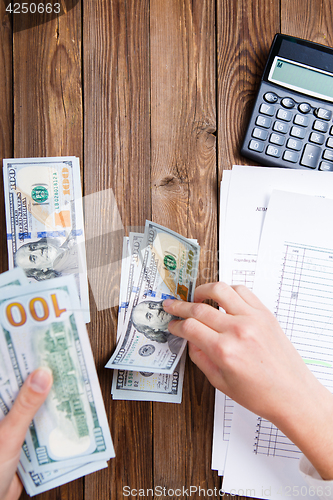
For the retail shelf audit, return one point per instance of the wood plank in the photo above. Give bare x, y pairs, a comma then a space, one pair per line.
117, 157
184, 199
48, 109
308, 19
6, 117
242, 50
47, 88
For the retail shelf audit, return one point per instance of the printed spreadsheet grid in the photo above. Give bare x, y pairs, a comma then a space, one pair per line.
240, 276
305, 304
304, 309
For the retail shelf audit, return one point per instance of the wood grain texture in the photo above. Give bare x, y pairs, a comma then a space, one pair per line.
154, 96
117, 157
311, 20
183, 171
245, 33
47, 88
6, 117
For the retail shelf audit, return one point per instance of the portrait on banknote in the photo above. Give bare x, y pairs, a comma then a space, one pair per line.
47, 258
149, 318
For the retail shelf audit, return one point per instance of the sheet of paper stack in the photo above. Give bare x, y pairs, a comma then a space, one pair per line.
300, 198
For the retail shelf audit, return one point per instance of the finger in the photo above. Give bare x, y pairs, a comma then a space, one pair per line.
30, 398
15, 489
248, 296
203, 337
206, 314
224, 295
206, 365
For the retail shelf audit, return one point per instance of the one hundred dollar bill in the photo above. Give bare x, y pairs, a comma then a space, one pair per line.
8, 384
169, 266
141, 386
14, 277
33, 482
42, 325
148, 386
36, 483
44, 220
130, 269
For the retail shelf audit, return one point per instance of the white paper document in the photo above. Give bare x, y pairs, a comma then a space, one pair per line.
221, 430
294, 280
245, 193
247, 199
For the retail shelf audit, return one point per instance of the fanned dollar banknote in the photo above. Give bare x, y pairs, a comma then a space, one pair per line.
44, 219
158, 264
141, 386
42, 325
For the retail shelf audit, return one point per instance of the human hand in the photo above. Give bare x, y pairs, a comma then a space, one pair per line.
245, 354
14, 426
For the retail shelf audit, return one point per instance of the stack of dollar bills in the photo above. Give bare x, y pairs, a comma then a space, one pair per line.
148, 361
42, 325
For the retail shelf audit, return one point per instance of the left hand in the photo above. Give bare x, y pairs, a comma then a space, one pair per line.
14, 427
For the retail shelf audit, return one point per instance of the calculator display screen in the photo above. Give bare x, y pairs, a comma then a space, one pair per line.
302, 78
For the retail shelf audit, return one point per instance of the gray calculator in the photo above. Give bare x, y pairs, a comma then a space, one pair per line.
292, 119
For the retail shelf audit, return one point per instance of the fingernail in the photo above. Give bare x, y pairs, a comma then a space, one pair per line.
167, 302
41, 379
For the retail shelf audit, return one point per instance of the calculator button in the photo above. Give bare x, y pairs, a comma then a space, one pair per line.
304, 107
256, 146
297, 132
320, 126
328, 155
287, 102
290, 156
277, 139
267, 109
324, 114
271, 97
273, 151
285, 115
324, 165
329, 142
280, 127
317, 138
331, 131
301, 120
260, 133
263, 121
311, 155
294, 144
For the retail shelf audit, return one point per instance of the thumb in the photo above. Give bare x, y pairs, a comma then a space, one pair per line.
32, 395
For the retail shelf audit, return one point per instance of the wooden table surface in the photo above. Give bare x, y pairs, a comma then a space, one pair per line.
153, 96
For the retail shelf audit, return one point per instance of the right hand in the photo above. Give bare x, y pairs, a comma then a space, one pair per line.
245, 354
